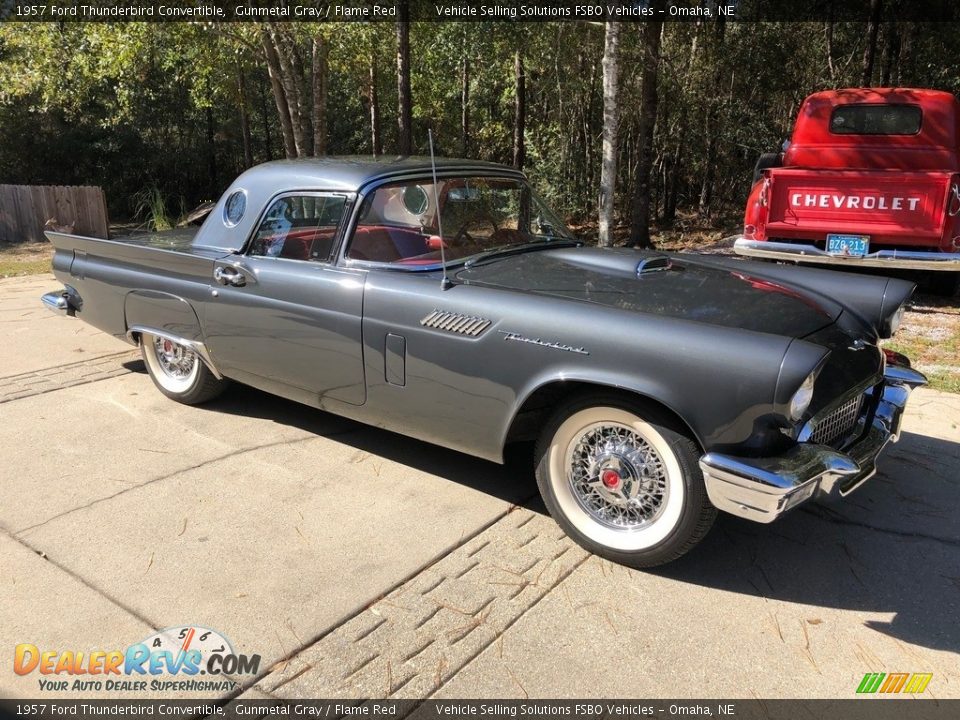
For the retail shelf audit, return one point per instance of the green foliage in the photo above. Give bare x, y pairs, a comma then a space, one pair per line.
137, 105
151, 206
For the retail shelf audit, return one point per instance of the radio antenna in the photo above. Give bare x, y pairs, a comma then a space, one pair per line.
445, 283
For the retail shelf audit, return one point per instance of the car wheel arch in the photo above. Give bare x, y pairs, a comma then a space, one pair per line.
169, 316
163, 311
540, 402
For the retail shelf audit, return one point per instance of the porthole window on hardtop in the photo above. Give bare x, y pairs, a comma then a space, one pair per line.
234, 208
876, 120
299, 227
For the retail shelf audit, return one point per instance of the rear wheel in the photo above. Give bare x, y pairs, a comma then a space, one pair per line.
622, 482
178, 372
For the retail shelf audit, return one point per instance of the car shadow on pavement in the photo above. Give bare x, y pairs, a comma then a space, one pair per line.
512, 482
891, 548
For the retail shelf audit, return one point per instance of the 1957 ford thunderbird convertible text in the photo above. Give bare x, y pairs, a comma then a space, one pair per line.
463, 312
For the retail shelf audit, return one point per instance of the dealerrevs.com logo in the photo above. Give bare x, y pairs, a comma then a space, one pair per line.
177, 659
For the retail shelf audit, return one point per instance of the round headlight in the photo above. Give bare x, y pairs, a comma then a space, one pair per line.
896, 319
802, 397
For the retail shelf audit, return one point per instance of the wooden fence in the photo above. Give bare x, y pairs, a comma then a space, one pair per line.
25, 209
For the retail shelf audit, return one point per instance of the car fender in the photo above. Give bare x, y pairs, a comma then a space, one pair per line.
169, 316
640, 385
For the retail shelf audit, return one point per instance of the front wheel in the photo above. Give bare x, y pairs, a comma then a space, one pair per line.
621, 482
178, 372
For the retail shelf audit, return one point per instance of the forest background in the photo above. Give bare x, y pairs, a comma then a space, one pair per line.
629, 129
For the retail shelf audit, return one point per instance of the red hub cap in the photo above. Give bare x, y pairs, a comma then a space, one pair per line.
610, 478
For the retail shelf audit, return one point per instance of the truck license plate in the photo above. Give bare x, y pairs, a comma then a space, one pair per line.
849, 245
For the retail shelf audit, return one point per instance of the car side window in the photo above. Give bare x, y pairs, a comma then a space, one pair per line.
299, 227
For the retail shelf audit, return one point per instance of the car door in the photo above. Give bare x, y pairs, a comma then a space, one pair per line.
282, 313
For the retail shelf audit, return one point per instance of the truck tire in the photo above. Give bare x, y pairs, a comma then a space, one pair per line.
944, 284
178, 372
621, 482
765, 162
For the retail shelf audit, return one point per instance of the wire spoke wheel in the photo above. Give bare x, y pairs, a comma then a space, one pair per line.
617, 476
178, 371
176, 361
622, 483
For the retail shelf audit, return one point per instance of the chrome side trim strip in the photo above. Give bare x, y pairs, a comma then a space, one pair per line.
134, 331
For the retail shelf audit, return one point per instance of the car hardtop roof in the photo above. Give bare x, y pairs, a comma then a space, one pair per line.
350, 173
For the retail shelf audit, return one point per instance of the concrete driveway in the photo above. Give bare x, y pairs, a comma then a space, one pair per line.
358, 563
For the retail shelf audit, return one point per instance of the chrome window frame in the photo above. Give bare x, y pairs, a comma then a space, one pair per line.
330, 258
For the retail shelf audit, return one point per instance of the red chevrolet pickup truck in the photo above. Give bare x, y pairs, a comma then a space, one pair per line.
870, 178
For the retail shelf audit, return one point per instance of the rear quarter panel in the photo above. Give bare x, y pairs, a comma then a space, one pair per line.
120, 284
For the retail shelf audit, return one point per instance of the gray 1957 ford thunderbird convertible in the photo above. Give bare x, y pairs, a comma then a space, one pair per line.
463, 312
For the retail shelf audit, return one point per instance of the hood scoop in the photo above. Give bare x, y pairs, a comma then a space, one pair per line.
657, 263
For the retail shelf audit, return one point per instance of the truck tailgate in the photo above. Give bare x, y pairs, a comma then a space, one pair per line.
903, 207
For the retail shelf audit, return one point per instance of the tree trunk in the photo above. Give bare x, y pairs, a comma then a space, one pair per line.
711, 126
244, 119
211, 150
640, 225
465, 107
870, 50
519, 112
279, 94
828, 31
265, 116
611, 113
376, 137
890, 41
404, 114
302, 82
903, 57
319, 52
291, 89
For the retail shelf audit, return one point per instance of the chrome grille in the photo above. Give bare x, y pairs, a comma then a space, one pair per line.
836, 423
456, 323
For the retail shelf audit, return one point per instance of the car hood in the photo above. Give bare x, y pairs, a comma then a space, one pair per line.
687, 289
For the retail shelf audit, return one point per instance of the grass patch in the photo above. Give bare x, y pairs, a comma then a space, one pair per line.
25, 259
930, 337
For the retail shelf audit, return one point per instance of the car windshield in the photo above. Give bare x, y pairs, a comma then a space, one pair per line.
399, 224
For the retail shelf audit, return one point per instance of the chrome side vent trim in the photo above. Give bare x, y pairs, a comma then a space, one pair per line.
456, 323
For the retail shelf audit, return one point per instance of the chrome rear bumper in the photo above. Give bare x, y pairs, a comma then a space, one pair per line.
762, 489
58, 302
902, 259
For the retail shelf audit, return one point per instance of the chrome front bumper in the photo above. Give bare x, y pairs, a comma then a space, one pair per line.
762, 489
902, 259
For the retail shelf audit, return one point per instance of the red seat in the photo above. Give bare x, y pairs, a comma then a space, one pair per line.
380, 243
307, 244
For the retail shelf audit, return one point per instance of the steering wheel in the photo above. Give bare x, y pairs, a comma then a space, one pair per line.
463, 238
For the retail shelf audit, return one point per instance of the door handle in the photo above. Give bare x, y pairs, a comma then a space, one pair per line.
229, 276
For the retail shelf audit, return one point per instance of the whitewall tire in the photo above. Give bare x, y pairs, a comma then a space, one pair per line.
622, 481
177, 371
